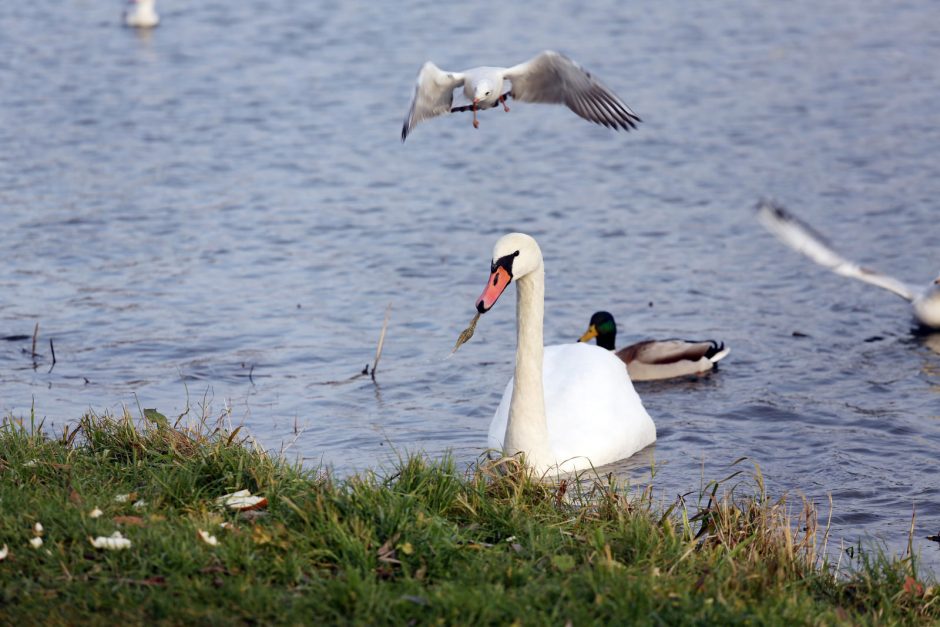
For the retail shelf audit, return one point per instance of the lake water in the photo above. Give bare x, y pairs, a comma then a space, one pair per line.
218, 213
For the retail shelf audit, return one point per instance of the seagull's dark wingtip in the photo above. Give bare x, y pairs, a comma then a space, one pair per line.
404, 133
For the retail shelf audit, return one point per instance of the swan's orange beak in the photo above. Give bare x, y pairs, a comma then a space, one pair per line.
499, 281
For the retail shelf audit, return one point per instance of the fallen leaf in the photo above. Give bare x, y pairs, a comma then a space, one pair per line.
75, 497
36, 542
95, 513
913, 587
114, 542
259, 535
242, 500
207, 538
406, 548
124, 498
386, 552
4, 552
129, 520
37, 528
139, 504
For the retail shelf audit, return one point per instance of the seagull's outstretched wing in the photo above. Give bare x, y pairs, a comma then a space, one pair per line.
434, 94
803, 239
554, 78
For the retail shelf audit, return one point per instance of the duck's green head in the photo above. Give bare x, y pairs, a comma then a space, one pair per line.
602, 327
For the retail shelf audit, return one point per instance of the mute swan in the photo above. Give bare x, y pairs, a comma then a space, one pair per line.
803, 239
651, 360
141, 14
581, 409
549, 77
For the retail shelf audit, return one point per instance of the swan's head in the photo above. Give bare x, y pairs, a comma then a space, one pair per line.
602, 327
483, 91
514, 256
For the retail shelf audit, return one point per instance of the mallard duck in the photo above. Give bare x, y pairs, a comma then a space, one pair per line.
651, 360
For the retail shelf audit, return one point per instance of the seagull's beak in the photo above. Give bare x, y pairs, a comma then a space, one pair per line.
498, 282
590, 334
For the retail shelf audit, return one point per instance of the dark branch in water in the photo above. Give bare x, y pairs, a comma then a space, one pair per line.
52, 349
250, 371
35, 335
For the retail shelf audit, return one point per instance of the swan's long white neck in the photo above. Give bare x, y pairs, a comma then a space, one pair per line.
526, 430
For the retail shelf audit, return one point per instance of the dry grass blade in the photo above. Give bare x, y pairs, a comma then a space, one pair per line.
378, 349
466, 334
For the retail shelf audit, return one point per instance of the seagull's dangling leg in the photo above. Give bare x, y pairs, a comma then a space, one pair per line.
502, 99
476, 123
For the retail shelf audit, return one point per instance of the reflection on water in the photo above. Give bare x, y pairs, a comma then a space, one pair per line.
220, 210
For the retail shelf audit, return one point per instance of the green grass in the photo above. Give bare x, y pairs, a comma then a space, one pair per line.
426, 543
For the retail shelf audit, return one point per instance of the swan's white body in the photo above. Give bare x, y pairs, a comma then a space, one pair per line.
593, 415
567, 407
141, 14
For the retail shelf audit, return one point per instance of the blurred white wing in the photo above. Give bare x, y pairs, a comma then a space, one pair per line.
554, 78
434, 95
802, 238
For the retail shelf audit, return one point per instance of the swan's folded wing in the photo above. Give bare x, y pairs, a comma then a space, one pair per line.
802, 238
434, 94
554, 78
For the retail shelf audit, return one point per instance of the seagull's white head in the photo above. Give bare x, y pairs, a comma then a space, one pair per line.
514, 256
484, 91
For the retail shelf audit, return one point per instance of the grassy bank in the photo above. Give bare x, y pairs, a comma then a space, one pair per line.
428, 543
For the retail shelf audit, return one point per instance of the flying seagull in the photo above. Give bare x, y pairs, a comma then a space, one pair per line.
549, 77
803, 239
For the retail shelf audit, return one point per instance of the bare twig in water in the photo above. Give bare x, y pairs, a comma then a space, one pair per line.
910, 535
250, 371
52, 349
467, 333
35, 335
378, 349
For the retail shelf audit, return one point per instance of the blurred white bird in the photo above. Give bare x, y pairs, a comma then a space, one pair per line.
141, 14
550, 77
803, 239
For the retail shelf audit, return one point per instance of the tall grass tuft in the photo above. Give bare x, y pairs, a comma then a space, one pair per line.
426, 542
